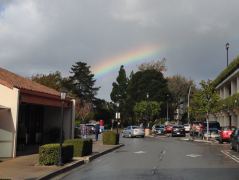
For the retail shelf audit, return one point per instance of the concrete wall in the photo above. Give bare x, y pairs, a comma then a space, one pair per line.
8, 121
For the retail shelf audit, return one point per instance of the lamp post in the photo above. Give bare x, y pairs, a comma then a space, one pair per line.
63, 97
227, 47
117, 116
167, 107
189, 102
148, 119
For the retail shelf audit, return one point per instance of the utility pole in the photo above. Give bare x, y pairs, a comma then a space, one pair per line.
189, 103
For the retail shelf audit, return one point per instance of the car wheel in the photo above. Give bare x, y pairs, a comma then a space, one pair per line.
142, 136
237, 149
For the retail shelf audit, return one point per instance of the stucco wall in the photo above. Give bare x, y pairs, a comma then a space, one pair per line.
8, 120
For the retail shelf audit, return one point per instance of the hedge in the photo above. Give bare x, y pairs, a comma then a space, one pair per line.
110, 138
234, 65
49, 154
82, 147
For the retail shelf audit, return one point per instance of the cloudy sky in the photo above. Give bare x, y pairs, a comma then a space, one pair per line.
42, 36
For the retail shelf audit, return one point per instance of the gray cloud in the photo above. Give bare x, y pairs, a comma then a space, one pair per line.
44, 36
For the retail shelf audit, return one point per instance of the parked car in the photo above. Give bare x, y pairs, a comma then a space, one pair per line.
235, 140
133, 131
187, 127
168, 128
212, 133
178, 130
158, 129
225, 134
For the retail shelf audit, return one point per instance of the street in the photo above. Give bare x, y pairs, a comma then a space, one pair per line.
164, 158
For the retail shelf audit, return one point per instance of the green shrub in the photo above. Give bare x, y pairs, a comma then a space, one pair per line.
110, 138
82, 147
49, 153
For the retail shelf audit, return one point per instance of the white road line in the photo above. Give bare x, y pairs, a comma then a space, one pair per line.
230, 156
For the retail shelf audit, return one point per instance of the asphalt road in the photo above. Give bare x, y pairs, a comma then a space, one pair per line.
163, 158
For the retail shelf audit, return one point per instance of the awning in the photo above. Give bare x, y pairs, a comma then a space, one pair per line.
3, 107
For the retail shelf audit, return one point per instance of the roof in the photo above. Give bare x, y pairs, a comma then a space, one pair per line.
11, 80
233, 66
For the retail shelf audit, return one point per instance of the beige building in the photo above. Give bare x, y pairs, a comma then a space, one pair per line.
30, 115
227, 86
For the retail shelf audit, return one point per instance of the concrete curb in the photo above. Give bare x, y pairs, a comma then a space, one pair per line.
78, 163
199, 140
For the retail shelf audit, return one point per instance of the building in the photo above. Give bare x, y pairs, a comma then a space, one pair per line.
227, 86
30, 114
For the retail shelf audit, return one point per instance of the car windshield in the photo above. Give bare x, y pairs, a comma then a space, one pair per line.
158, 126
136, 127
177, 126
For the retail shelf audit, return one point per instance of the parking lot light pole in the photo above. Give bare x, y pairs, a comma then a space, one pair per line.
189, 103
117, 116
63, 97
227, 47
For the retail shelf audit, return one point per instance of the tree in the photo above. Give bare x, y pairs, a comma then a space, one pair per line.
158, 65
119, 93
82, 111
179, 89
147, 110
82, 82
149, 82
52, 80
205, 101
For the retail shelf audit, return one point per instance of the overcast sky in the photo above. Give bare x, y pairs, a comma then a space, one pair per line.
42, 36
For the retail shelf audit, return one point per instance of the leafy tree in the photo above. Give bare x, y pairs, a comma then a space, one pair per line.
206, 99
82, 82
179, 88
103, 110
147, 109
148, 81
158, 65
83, 110
52, 80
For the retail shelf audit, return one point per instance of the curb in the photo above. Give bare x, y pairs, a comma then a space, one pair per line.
77, 164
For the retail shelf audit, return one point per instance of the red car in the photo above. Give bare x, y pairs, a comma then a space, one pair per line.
168, 128
225, 134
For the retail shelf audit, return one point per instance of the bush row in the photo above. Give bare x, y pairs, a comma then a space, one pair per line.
49, 153
81, 147
110, 138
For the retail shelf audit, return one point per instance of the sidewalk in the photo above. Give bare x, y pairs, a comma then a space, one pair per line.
26, 167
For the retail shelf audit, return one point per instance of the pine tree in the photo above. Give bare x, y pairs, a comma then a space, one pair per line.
119, 94
83, 82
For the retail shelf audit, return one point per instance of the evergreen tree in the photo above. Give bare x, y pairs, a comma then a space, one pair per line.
83, 82
119, 94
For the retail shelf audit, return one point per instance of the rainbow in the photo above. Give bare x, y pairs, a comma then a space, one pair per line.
139, 54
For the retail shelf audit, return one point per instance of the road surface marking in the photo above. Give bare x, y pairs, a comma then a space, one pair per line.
230, 156
193, 155
139, 152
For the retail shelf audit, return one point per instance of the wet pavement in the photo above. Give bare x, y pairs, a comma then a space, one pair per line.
163, 158
26, 167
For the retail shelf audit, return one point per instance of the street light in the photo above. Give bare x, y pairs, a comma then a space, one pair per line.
117, 116
189, 102
148, 119
227, 47
167, 107
63, 97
